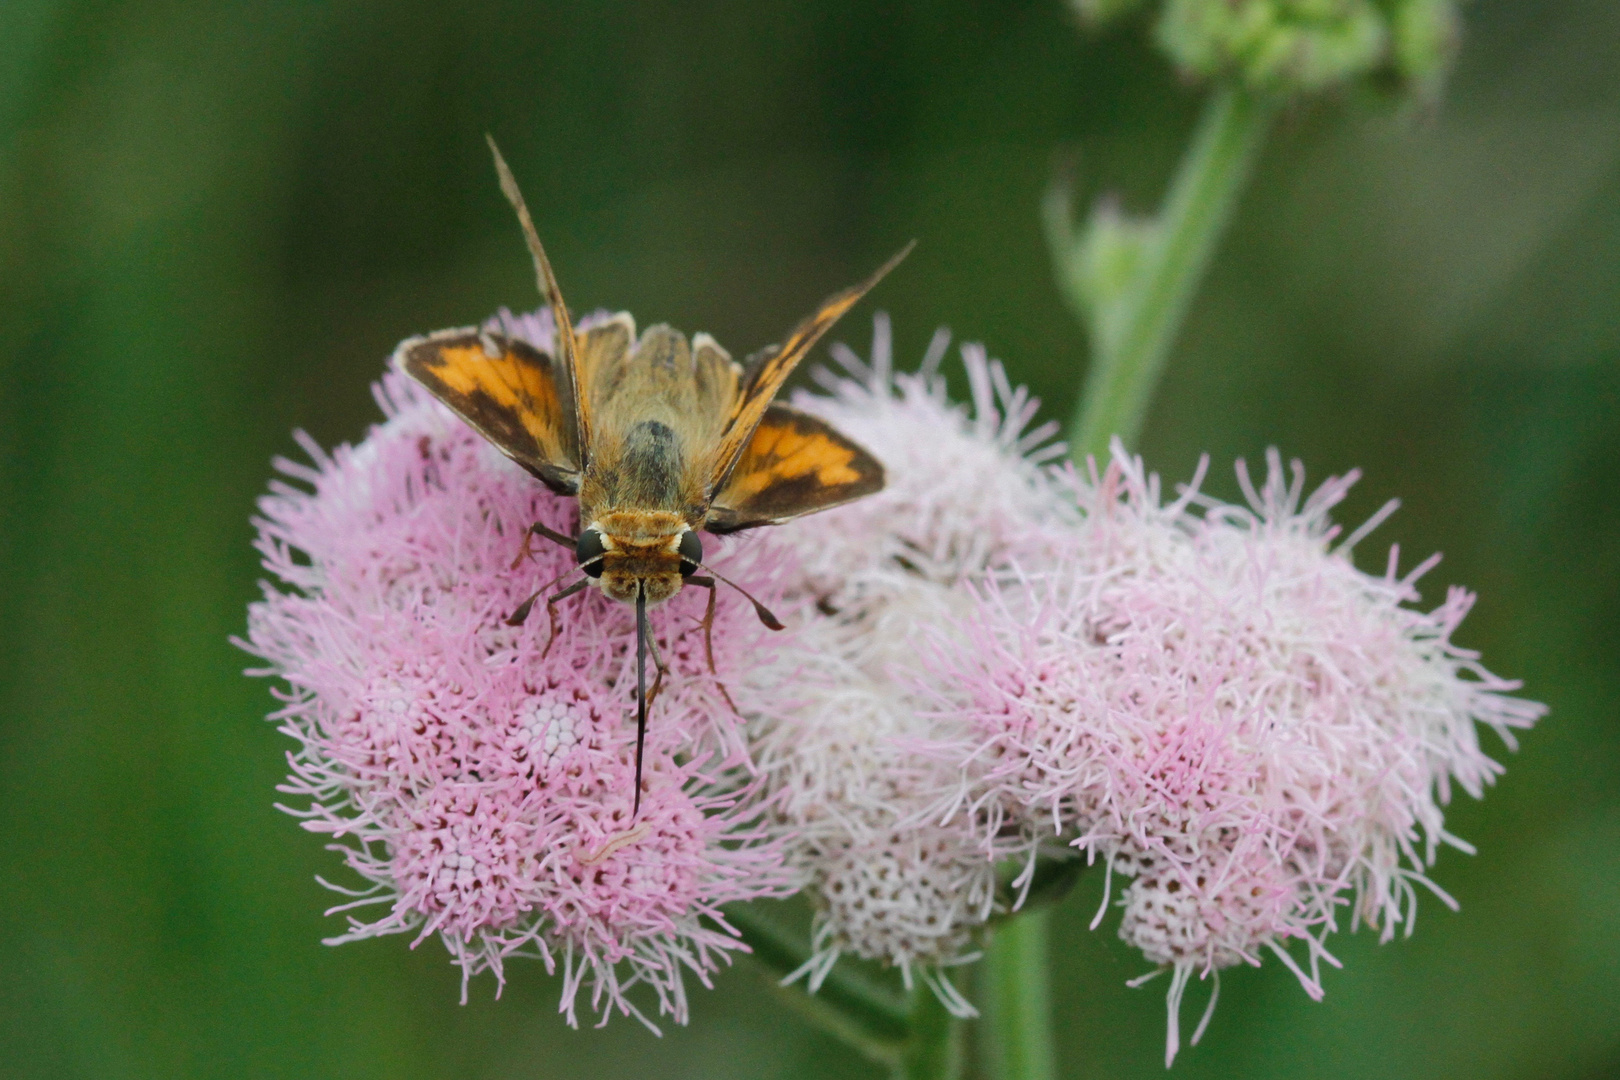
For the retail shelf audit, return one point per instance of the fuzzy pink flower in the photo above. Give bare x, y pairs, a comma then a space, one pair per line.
1230, 714
968, 493
480, 779
966, 498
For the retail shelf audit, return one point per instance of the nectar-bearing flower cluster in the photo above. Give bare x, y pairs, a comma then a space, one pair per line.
1212, 700
479, 777
994, 654
966, 498
1217, 704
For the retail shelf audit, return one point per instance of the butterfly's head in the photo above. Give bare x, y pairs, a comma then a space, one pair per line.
639, 553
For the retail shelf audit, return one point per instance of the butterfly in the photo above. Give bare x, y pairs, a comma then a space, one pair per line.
658, 437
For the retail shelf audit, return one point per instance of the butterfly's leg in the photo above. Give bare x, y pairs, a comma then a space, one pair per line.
523, 553
708, 635
553, 535
538, 529
551, 609
658, 664
708, 617
521, 615
551, 634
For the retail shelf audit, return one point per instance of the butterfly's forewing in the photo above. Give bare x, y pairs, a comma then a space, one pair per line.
766, 372
567, 343
794, 464
512, 393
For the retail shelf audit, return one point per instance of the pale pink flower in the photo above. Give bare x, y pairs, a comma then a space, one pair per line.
481, 783
1226, 711
968, 492
966, 498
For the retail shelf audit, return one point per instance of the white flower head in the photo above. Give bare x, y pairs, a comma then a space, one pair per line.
1222, 707
967, 496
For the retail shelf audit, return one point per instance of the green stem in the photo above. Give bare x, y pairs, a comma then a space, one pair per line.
852, 1032
917, 1039
934, 1051
1132, 334
1017, 1001
856, 1009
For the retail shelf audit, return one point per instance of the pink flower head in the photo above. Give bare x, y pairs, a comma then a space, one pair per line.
1228, 712
966, 496
967, 489
481, 775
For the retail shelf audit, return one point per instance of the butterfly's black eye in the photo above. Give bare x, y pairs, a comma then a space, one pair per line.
587, 548
691, 550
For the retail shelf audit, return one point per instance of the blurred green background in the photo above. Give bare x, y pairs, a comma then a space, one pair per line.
216, 220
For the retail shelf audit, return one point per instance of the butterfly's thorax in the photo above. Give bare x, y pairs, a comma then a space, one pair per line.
638, 471
640, 488
658, 407
632, 494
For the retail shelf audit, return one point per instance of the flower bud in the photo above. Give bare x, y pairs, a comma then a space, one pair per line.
1109, 257
1425, 36
1275, 46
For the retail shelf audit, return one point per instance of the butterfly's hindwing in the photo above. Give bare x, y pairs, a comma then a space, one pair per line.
795, 464
600, 354
768, 370
516, 398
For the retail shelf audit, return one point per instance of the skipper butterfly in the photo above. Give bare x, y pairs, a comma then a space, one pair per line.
658, 437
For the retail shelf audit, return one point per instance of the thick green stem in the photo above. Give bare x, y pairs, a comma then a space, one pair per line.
849, 1005
1017, 1001
1133, 327
934, 1051
916, 1038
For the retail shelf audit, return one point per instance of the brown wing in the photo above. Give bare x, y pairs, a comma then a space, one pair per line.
567, 343
795, 464
600, 355
767, 371
509, 391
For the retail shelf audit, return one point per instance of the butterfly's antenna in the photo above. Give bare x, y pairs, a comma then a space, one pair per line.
760, 609
641, 691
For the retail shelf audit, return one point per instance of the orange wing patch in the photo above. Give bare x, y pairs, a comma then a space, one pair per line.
795, 464
767, 371
506, 389
790, 452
